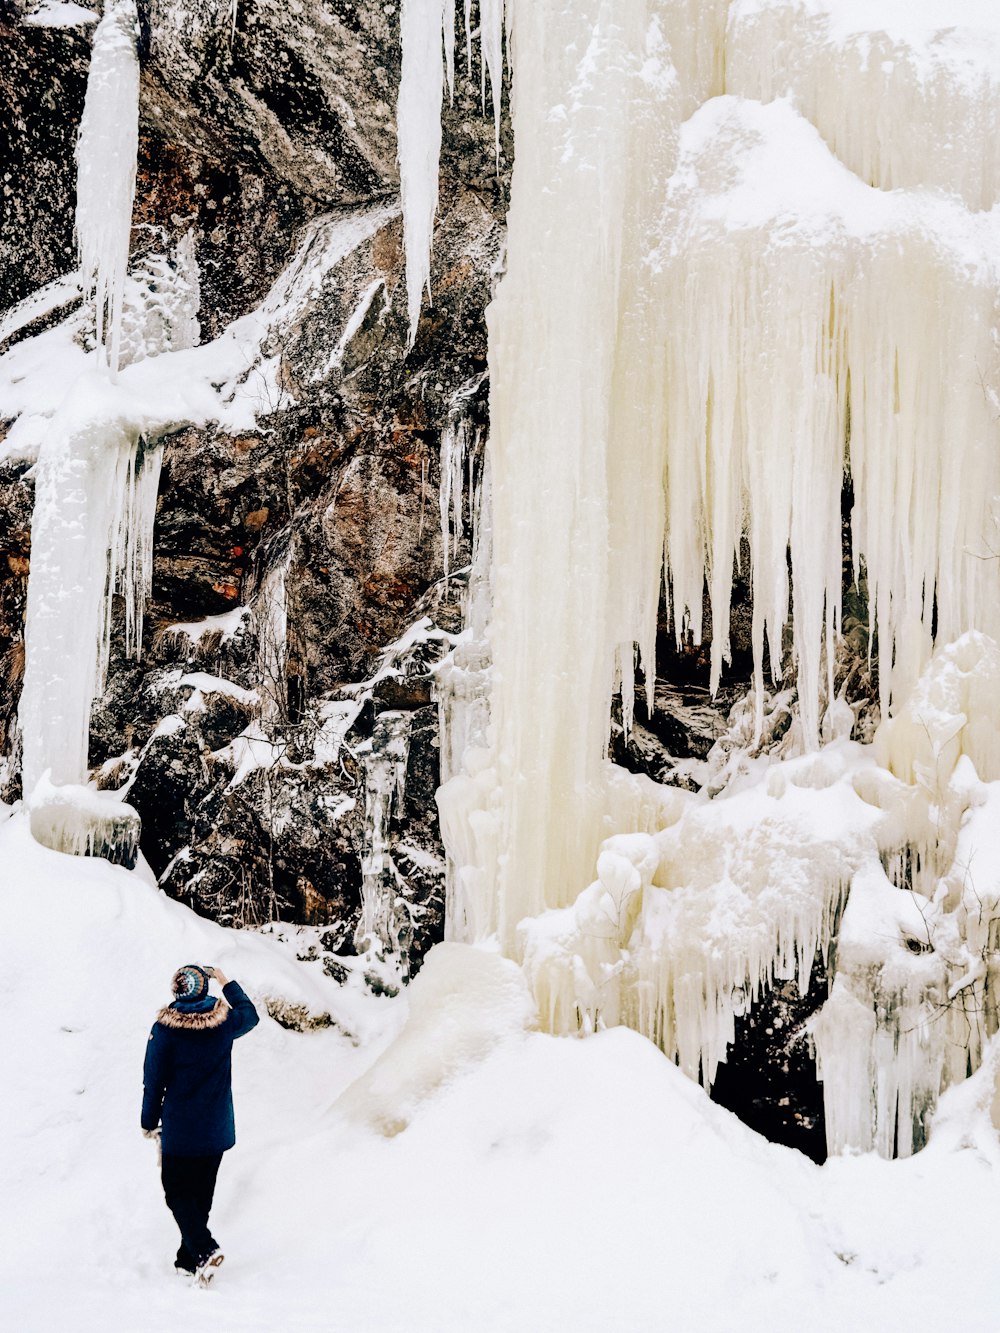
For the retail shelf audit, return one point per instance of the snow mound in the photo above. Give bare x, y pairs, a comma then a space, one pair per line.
558, 1184
464, 1003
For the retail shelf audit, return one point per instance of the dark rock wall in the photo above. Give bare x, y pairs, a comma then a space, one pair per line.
43, 77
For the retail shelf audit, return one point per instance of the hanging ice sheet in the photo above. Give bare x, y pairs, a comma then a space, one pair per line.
803, 301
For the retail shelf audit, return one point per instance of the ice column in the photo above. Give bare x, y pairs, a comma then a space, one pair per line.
91, 536
106, 163
96, 483
459, 440
462, 688
594, 119
385, 782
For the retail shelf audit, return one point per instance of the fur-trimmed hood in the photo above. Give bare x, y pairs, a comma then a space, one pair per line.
196, 1022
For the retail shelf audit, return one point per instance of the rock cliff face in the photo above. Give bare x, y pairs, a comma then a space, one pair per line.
296, 553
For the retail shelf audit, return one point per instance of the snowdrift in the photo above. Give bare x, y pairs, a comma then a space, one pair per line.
542, 1184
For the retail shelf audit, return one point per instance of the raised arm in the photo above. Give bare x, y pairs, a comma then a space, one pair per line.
244, 1016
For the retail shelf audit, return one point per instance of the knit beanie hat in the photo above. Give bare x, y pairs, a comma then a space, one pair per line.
190, 983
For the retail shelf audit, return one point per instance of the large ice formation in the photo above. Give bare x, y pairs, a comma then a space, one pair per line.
820, 325
751, 275
751, 271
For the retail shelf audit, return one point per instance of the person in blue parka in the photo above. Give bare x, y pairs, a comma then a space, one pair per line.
188, 1102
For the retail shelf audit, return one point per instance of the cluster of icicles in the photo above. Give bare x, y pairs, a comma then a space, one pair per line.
716, 307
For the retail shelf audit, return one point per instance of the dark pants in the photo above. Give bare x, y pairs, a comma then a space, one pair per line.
188, 1186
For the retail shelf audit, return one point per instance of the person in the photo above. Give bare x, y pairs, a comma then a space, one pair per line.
187, 1103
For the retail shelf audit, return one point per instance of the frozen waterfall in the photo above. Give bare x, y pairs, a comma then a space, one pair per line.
97, 472
751, 272
380, 925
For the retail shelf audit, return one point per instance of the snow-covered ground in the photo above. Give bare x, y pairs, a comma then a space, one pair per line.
552, 1184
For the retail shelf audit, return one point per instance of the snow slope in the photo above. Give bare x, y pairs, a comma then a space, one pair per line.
553, 1184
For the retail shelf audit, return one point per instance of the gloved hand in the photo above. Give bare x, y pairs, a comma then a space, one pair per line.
153, 1134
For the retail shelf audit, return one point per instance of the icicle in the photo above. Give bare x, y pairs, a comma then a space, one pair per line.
468, 37
462, 689
418, 118
106, 160
448, 34
427, 31
491, 38
454, 452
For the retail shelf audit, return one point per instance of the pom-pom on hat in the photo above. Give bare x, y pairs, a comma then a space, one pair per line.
190, 983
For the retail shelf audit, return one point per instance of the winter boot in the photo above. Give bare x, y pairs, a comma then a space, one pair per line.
209, 1267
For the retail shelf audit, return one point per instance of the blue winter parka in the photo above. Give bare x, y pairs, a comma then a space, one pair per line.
187, 1075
